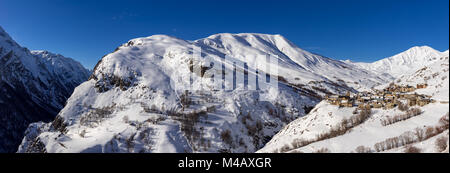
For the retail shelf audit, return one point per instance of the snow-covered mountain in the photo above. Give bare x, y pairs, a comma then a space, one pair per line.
428, 131
406, 62
132, 102
34, 86
65, 69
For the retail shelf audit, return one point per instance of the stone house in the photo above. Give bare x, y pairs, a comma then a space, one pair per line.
424, 85
407, 89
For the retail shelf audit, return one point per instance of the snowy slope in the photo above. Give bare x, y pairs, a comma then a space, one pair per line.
405, 62
296, 65
133, 102
34, 87
436, 75
324, 117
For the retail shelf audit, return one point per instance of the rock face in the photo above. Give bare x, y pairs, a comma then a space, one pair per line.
34, 86
133, 103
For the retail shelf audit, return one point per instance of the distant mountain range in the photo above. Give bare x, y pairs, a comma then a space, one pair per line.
405, 62
34, 86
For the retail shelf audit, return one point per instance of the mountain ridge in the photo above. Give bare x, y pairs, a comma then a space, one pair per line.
404, 62
33, 88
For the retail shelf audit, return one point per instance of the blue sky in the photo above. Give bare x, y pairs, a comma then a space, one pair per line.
360, 30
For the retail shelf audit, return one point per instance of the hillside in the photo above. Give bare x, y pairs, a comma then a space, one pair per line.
381, 130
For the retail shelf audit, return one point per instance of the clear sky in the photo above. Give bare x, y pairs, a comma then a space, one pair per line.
360, 30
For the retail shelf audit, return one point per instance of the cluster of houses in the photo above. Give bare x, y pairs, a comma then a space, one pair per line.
387, 98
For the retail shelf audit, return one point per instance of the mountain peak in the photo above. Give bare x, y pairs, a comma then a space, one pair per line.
416, 51
420, 49
154, 39
407, 61
2, 32
6, 40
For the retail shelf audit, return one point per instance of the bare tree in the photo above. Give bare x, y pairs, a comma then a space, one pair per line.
420, 133
412, 149
441, 143
226, 137
363, 149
